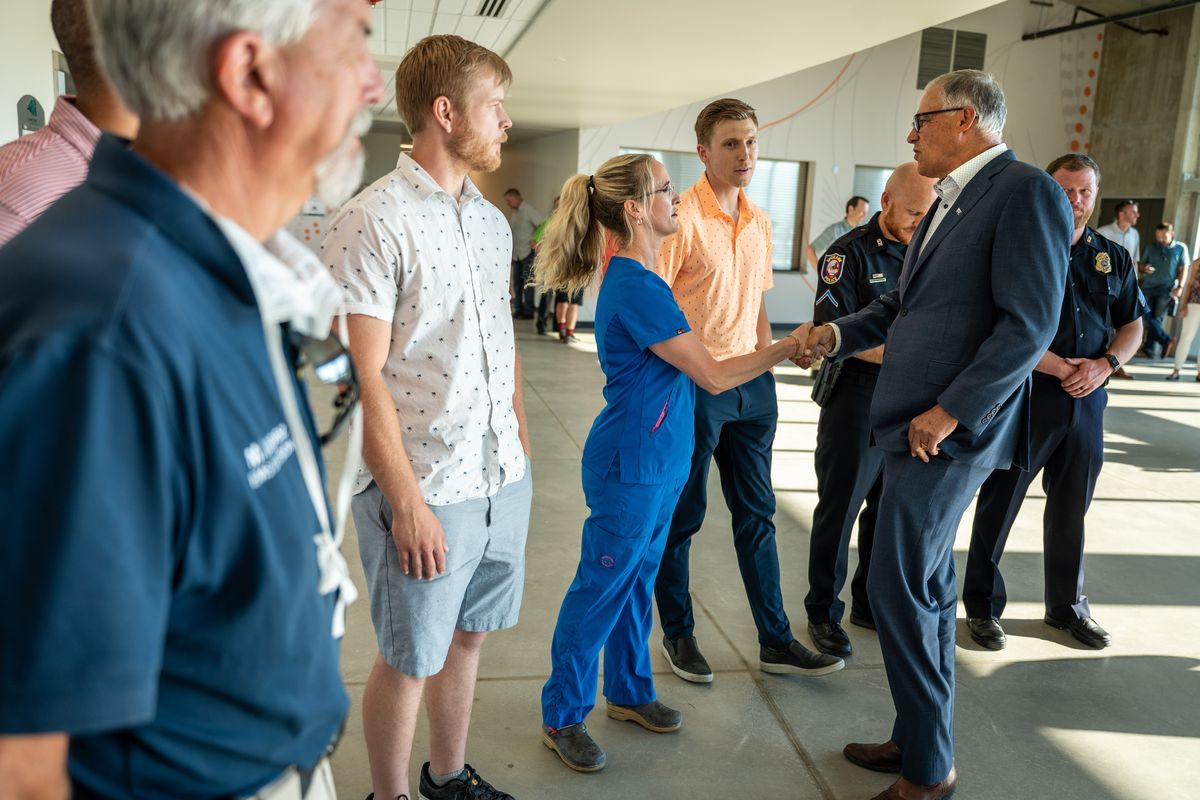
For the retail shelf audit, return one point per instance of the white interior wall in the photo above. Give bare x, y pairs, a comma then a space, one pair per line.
858, 111
26, 63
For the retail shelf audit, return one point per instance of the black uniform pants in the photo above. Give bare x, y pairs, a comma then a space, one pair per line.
1067, 442
849, 471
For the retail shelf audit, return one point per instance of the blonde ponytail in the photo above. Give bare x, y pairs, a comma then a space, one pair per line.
573, 248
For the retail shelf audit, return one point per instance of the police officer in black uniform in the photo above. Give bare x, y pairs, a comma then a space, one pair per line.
856, 269
1066, 427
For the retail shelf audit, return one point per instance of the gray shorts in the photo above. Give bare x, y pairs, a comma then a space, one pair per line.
480, 590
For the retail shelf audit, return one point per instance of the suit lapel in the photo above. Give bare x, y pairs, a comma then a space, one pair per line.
914, 245
975, 189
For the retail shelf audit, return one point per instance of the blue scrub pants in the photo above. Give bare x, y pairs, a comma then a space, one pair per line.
609, 603
914, 598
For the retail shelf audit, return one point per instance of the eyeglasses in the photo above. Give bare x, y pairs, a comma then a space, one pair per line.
664, 190
332, 365
919, 120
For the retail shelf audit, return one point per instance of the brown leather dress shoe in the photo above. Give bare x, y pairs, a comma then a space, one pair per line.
907, 790
883, 757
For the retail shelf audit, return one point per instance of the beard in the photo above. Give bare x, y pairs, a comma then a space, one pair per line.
1081, 216
903, 235
339, 173
472, 149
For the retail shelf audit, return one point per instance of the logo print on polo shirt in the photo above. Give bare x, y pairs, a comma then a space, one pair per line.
267, 456
607, 561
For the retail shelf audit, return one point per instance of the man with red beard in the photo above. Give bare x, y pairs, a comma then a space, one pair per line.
442, 506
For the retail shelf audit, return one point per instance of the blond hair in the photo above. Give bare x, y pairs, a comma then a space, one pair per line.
442, 66
573, 247
719, 111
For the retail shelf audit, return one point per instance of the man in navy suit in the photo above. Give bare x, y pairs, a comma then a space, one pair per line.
976, 306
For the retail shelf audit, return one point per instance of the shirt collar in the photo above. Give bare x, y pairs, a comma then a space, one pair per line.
951, 186
75, 129
710, 206
426, 187
875, 239
118, 172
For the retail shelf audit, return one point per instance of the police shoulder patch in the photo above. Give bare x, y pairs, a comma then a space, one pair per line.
831, 267
1103, 263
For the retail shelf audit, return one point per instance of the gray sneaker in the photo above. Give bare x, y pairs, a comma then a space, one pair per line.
685, 659
796, 659
577, 749
653, 716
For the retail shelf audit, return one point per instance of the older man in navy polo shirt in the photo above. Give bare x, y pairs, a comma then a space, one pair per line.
171, 583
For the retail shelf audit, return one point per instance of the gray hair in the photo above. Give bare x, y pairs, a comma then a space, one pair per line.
977, 90
156, 52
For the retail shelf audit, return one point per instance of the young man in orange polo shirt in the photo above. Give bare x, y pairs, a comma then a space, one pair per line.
719, 266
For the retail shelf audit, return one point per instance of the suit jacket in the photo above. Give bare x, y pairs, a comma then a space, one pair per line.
974, 311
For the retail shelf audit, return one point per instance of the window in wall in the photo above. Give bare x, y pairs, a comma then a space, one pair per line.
943, 50
778, 188
869, 183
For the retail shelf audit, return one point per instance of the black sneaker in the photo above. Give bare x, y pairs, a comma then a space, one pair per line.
471, 787
830, 638
796, 659
685, 659
575, 746
371, 796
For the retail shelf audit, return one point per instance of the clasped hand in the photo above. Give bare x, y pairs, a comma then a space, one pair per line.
817, 344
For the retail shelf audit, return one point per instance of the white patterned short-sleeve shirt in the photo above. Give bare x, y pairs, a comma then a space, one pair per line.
404, 251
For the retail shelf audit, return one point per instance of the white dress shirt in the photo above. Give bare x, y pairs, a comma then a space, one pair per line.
951, 187
404, 251
1129, 239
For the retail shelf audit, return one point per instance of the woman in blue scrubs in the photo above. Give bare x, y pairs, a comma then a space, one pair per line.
637, 454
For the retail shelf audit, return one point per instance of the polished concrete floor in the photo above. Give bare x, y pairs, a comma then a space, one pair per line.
1044, 718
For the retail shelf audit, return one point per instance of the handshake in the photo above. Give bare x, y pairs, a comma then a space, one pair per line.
813, 342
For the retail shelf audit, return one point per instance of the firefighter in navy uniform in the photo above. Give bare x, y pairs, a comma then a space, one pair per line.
856, 269
1066, 427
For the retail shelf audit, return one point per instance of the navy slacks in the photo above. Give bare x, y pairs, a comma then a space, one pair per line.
608, 605
1067, 446
737, 429
914, 597
849, 471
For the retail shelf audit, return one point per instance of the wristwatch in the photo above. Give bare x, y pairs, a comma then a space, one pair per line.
1113, 361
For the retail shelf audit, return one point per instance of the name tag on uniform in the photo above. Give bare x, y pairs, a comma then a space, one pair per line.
878, 277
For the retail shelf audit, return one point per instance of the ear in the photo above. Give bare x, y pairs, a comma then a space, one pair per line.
247, 74
968, 119
702, 152
443, 113
885, 200
633, 210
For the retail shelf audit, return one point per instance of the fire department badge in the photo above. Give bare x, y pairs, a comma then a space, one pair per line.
831, 267
1103, 263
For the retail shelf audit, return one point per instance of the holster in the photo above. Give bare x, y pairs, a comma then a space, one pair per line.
827, 378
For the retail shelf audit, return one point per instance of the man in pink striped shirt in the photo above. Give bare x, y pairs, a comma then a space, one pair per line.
36, 170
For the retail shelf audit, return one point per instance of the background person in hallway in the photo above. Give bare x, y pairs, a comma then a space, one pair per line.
171, 585
857, 268
1189, 312
718, 266
38, 169
976, 307
443, 505
857, 209
1066, 413
524, 220
1123, 230
1162, 269
635, 460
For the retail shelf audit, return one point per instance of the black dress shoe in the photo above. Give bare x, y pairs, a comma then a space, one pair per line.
830, 638
862, 619
986, 632
1085, 630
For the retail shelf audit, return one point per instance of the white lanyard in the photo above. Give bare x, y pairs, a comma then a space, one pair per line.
302, 292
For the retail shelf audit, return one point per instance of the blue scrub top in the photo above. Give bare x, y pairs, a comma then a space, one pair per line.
647, 426
157, 569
